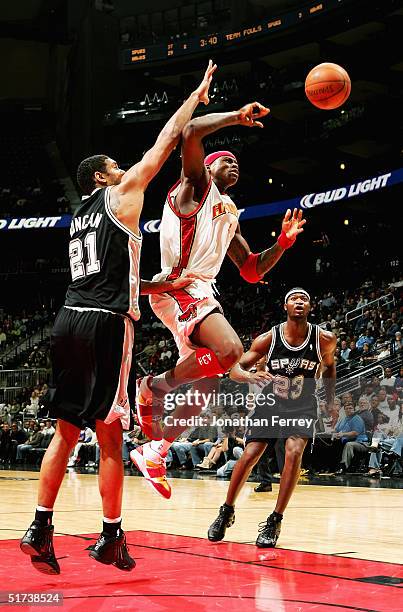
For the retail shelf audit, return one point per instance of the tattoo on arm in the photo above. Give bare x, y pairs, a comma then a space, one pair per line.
114, 201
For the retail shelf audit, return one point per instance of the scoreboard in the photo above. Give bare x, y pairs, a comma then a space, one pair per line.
221, 40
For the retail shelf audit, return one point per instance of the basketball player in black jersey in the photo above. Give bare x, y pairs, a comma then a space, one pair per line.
296, 352
92, 339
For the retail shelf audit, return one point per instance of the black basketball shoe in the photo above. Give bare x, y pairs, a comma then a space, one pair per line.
112, 550
269, 532
38, 543
217, 529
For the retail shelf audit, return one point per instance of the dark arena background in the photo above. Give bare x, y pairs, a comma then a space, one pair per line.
81, 77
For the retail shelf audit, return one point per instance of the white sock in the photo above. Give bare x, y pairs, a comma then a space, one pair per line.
43, 509
160, 446
115, 520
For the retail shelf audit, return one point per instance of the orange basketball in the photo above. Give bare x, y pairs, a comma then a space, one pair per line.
327, 86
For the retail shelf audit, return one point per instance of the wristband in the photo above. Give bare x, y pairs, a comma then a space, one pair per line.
248, 270
285, 242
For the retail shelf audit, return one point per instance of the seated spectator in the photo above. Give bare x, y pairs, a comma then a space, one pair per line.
399, 382
368, 392
388, 381
15, 409
48, 429
364, 339
396, 344
382, 397
364, 411
233, 447
367, 356
351, 432
86, 437
181, 447
354, 352
33, 441
392, 411
202, 439
344, 351
386, 438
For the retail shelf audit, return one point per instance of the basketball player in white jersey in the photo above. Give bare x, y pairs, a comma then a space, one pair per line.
295, 353
92, 339
199, 227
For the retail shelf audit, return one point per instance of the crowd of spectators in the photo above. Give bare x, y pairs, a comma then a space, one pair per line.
17, 327
26, 401
24, 442
362, 431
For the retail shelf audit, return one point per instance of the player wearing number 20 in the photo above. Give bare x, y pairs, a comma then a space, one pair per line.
295, 352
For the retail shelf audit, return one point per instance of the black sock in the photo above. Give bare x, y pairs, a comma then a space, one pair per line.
44, 517
277, 516
228, 506
111, 529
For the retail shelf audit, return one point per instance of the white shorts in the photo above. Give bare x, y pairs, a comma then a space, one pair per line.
181, 310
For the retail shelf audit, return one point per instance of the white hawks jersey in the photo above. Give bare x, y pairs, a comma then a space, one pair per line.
197, 241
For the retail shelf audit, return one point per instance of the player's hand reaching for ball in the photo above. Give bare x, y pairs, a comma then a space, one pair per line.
292, 224
252, 111
202, 90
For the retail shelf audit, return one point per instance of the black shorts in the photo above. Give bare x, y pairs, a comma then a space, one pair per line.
269, 425
88, 365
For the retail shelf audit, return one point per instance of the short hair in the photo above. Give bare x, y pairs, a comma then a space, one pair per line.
86, 171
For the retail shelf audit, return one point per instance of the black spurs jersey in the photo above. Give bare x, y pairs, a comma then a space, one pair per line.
295, 368
104, 259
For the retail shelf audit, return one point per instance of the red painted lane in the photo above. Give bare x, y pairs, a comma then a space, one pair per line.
181, 573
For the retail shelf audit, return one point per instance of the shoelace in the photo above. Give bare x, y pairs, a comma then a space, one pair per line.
223, 515
268, 528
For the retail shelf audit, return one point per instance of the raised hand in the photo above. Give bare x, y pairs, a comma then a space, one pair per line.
202, 90
252, 111
292, 225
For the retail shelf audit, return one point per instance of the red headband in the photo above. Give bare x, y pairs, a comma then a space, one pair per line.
213, 156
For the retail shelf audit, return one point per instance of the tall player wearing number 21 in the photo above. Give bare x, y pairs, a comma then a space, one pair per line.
92, 339
296, 352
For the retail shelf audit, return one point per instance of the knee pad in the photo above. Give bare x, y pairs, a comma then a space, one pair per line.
208, 363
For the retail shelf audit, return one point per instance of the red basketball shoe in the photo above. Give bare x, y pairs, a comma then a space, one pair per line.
152, 466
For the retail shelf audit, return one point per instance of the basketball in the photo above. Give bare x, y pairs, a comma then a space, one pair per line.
327, 86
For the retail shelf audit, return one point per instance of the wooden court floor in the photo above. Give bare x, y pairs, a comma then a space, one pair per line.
340, 549
357, 522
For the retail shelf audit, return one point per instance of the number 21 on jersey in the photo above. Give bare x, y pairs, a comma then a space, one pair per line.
76, 254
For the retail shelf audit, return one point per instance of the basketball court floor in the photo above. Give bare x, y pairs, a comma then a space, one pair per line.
341, 548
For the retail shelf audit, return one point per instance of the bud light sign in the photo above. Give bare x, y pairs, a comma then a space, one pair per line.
333, 195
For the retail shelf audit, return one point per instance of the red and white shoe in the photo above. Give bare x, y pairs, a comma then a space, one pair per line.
152, 466
149, 413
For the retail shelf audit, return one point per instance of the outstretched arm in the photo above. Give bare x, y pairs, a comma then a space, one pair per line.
194, 172
144, 171
127, 198
254, 266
